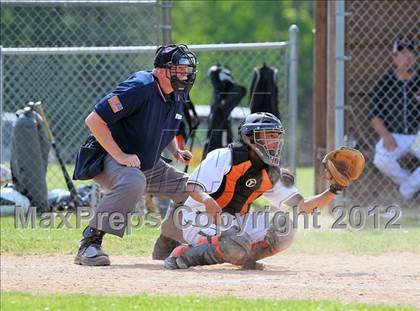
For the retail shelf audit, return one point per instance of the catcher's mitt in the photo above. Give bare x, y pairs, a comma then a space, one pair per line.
343, 166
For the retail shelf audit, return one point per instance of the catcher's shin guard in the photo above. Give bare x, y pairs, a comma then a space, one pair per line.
90, 251
201, 255
163, 247
273, 243
229, 247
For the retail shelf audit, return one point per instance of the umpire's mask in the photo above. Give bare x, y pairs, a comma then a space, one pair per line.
181, 63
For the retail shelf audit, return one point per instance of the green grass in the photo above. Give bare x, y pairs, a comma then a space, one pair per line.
305, 181
65, 241
140, 241
356, 242
28, 302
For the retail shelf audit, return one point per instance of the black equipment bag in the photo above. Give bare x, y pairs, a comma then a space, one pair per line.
264, 91
227, 94
89, 159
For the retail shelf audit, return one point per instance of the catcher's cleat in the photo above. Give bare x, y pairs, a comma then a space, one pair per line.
170, 263
163, 247
201, 255
175, 263
90, 252
174, 260
181, 263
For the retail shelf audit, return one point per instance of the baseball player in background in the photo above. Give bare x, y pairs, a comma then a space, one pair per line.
230, 179
394, 110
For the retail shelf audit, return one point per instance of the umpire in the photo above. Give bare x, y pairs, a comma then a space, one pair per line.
134, 123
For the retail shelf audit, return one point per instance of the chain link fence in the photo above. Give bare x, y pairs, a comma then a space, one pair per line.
69, 81
69, 54
240, 60
372, 89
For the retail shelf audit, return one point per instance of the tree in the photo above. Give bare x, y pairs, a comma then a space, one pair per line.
197, 22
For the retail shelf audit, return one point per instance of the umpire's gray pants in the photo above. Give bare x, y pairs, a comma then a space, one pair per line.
126, 187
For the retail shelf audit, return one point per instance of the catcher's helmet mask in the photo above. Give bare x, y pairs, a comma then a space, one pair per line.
181, 63
256, 132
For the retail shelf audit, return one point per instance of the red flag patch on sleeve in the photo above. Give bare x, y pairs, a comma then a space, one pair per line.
115, 104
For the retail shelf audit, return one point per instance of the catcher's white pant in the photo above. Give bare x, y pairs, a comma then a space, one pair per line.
257, 229
386, 162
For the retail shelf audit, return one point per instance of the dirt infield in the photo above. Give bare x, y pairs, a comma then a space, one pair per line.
389, 279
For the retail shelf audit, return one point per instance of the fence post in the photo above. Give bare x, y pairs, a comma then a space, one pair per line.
1, 78
339, 73
339, 83
166, 22
293, 39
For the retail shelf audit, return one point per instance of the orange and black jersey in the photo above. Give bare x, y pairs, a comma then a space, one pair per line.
245, 182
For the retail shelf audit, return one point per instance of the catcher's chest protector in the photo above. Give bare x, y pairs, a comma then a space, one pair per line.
245, 182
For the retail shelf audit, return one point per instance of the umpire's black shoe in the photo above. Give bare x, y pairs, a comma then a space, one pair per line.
90, 252
163, 247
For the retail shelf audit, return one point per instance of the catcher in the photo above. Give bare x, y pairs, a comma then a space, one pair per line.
229, 180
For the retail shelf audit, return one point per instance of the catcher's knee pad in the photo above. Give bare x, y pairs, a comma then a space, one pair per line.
274, 242
234, 248
279, 240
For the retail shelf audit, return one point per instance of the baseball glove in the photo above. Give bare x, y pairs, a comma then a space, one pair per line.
343, 166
